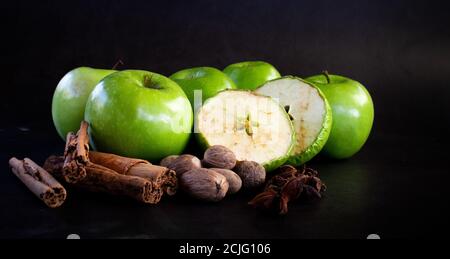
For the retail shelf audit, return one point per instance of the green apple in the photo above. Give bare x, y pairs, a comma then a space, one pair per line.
71, 94
353, 113
253, 126
251, 74
207, 81
139, 114
309, 111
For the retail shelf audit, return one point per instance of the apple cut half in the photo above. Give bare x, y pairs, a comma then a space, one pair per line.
309, 111
253, 126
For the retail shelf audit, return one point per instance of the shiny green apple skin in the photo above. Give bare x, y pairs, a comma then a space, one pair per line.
353, 114
139, 114
70, 97
207, 79
249, 75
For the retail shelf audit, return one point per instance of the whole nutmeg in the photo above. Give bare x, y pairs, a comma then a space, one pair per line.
252, 174
204, 184
218, 156
184, 163
168, 160
234, 181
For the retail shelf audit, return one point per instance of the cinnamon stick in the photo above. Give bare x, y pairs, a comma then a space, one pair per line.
39, 182
76, 154
102, 179
161, 177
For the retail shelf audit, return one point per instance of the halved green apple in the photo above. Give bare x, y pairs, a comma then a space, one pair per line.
253, 126
309, 111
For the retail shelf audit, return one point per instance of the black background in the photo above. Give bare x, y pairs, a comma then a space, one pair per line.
400, 50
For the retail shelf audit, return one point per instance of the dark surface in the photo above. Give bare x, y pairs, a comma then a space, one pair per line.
395, 187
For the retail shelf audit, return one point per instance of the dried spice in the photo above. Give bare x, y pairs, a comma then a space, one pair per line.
252, 174
39, 181
103, 172
218, 156
204, 184
184, 163
286, 185
234, 181
76, 154
168, 160
102, 179
162, 178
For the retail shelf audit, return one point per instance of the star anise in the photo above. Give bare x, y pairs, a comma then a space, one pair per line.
288, 184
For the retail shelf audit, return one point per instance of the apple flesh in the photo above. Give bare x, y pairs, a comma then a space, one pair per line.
205, 80
251, 74
353, 114
139, 114
309, 111
253, 126
70, 97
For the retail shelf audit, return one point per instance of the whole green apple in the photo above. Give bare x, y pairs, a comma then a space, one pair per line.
139, 114
71, 94
352, 110
208, 80
251, 74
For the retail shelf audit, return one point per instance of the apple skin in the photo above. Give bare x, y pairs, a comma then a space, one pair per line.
250, 75
207, 79
139, 114
70, 97
353, 114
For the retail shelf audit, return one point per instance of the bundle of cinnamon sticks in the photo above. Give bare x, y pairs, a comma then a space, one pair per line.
94, 171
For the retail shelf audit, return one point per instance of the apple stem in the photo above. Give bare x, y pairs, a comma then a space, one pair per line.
148, 82
327, 76
117, 64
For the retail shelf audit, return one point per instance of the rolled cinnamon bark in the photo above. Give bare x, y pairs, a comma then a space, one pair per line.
76, 154
102, 179
160, 176
39, 182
